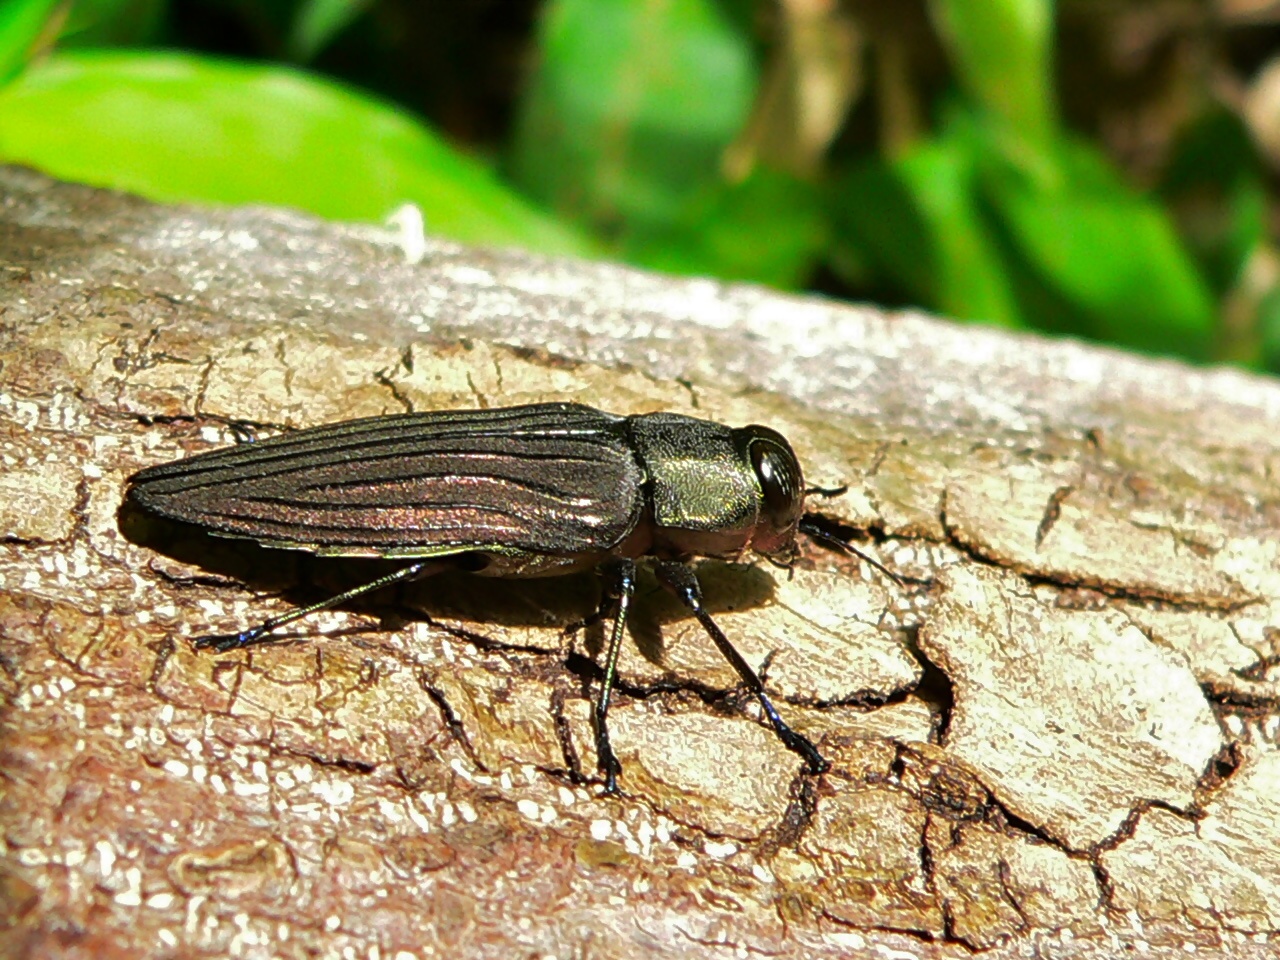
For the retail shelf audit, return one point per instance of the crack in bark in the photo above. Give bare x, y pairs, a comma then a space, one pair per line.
481, 400
274, 749
383, 377
1257, 671
75, 665
795, 821
289, 372
973, 553
1265, 703
13, 540
1106, 887
202, 388
80, 513
564, 734
457, 730
1129, 826
727, 702
497, 373
168, 647
912, 933
928, 871
1224, 765
877, 461
1005, 875
193, 419
934, 688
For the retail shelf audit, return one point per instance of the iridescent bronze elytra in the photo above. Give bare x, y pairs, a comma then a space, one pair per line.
525, 491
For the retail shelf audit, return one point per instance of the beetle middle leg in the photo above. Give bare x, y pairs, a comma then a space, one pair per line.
620, 585
680, 579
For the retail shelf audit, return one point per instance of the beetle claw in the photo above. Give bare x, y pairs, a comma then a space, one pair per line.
608, 765
817, 765
814, 762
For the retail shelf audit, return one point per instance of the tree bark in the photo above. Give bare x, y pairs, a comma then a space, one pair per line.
1056, 735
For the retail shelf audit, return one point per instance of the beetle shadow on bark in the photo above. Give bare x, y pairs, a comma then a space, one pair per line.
725, 587
204, 560
563, 602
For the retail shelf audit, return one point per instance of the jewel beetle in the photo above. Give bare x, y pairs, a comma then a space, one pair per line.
526, 491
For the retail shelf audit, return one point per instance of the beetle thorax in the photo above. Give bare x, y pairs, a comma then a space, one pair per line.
702, 498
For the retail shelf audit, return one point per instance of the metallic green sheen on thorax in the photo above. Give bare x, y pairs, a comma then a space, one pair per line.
703, 494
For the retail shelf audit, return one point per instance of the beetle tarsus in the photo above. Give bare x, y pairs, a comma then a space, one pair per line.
226, 642
243, 431
609, 765
814, 762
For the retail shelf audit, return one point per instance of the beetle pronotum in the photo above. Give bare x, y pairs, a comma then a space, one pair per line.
526, 491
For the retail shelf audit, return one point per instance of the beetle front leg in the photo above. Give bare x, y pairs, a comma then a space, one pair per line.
683, 582
619, 588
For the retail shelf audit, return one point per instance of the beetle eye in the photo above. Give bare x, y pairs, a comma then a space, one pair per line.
779, 477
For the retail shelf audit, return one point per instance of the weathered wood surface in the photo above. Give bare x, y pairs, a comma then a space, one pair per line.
1061, 740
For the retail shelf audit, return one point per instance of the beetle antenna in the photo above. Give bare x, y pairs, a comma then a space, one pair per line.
815, 532
827, 492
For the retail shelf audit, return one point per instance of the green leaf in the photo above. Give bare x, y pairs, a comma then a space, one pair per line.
768, 229
916, 221
23, 25
1105, 259
630, 108
984, 225
1002, 52
175, 127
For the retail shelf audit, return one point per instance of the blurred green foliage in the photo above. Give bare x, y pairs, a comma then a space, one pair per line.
180, 127
650, 131
23, 26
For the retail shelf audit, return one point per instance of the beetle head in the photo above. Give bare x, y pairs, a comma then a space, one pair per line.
781, 483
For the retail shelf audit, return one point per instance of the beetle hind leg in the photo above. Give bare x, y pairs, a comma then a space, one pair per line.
226, 642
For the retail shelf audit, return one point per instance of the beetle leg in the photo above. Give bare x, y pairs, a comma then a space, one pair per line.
814, 532
618, 592
224, 642
683, 582
606, 611
242, 432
